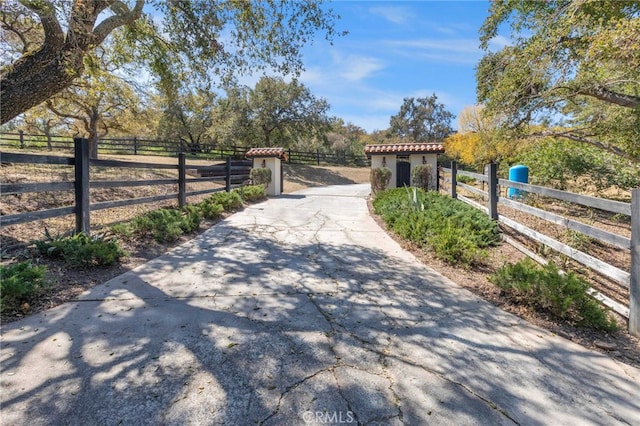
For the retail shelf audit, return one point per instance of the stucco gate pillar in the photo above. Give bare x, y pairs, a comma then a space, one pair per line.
389, 161
270, 158
426, 159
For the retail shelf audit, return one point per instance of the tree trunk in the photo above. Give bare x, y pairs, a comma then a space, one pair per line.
93, 134
37, 77
93, 147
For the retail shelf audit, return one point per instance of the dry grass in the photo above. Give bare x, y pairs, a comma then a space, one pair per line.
299, 176
296, 177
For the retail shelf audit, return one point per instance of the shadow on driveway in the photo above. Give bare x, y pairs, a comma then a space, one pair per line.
242, 329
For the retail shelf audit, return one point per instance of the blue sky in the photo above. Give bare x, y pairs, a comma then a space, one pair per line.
396, 50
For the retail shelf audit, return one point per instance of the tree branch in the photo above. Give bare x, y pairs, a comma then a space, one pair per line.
606, 95
59, 113
53, 33
13, 27
570, 134
122, 17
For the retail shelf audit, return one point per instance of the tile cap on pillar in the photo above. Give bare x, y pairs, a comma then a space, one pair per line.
267, 152
404, 149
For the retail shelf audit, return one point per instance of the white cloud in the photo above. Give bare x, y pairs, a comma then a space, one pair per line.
394, 14
464, 45
342, 69
357, 68
313, 76
372, 108
455, 51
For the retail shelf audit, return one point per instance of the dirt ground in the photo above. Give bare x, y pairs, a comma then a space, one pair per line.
300, 176
70, 283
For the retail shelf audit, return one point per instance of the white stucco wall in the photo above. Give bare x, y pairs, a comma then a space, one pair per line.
276, 177
376, 161
431, 159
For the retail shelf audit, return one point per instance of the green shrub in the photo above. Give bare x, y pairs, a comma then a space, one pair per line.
122, 230
252, 193
379, 177
421, 176
81, 250
577, 240
167, 225
465, 179
564, 296
230, 201
456, 232
20, 282
453, 245
191, 219
210, 210
260, 176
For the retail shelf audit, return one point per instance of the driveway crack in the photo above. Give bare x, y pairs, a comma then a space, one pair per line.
289, 389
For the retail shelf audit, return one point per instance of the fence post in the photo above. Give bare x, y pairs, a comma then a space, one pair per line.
227, 178
318, 156
493, 191
81, 151
289, 157
21, 139
454, 179
634, 288
182, 179
135, 145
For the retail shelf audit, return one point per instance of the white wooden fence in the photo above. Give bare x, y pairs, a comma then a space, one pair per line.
629, 280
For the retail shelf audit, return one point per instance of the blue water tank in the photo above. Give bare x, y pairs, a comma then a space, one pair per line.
518, 173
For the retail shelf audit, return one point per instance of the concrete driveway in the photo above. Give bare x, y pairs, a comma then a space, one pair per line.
299, 310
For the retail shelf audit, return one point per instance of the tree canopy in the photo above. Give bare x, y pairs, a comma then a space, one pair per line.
422, 120
56, 35
479, 139
274, 112
187, 118
573, 66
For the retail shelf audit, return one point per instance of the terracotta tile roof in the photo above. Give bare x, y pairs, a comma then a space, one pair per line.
404, 148
266, 152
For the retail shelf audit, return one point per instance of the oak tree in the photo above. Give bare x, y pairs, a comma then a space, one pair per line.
422, 120
273, 113
257, 35
98, 102
572, 66
187, 118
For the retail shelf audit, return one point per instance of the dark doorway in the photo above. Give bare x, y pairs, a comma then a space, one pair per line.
403, 171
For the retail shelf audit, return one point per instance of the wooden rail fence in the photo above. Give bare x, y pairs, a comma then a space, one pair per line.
232, 173
141, 146
629, 280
